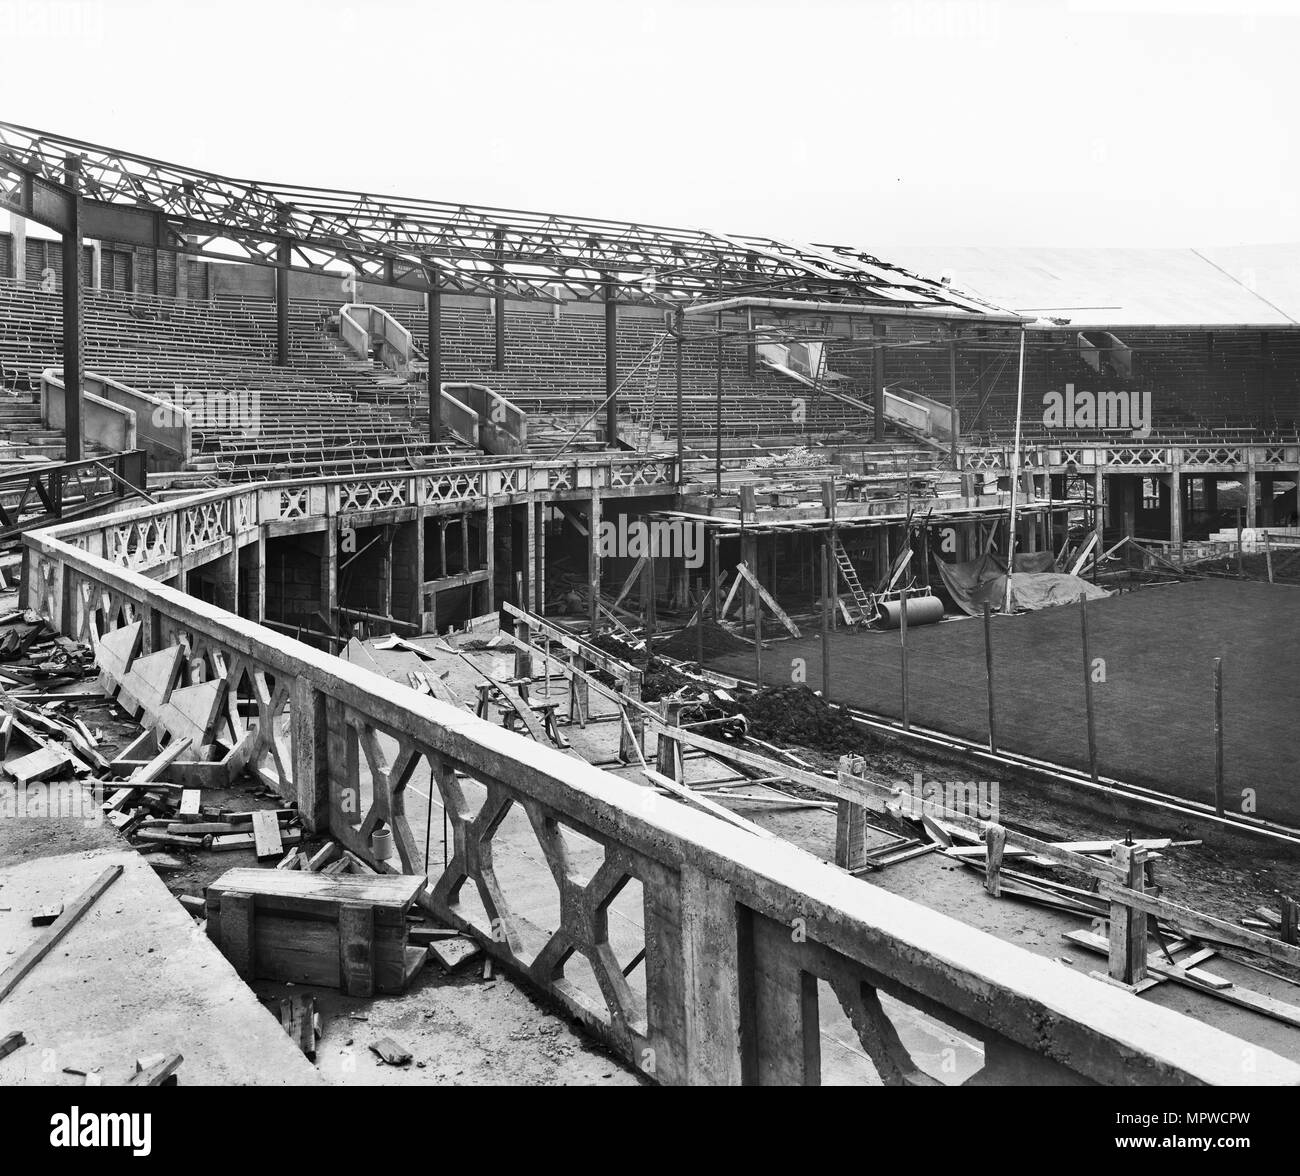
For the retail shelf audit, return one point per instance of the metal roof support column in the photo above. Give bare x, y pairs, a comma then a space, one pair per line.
499, 304
433, 305
611, 365
282, 304
72, 299
878, 379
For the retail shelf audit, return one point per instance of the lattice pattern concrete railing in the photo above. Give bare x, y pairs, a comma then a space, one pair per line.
1119, 457
748, 943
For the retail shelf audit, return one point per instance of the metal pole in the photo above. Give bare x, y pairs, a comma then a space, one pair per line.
611, 367
988, 675
878, 381
1218, 736
699, 623
826, 618
73, 374
499, 303
952, 395
681, 326
433, 304
1268, 555
902, 634
1240, 571
1087, 689
285, 256
717, 426
758, 637
1015, 475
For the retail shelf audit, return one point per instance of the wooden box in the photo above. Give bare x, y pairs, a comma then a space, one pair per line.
333, 930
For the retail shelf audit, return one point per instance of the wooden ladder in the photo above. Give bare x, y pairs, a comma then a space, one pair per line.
861, 601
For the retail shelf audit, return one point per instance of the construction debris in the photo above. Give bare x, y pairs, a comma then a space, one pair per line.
389, 1052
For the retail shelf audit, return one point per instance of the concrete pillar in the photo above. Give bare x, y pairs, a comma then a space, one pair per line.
225, 575
1265, 508
1211, 494
258, 572
1099, 499
96, 265
1252, 489
18, 227
1176, 499
593, 558
329, 570
539, 582
530, 558
489, 543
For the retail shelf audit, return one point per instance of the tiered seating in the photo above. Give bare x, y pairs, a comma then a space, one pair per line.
1236, 390
556, 369
311, 414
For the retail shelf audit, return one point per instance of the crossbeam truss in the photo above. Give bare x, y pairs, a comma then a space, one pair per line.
424, 244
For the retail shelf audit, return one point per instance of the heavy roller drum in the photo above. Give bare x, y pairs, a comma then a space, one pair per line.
921, 610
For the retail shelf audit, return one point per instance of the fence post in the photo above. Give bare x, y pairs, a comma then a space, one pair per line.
826, 621
988, 674
1087, 688
902, 634
1218, 736
1128, 927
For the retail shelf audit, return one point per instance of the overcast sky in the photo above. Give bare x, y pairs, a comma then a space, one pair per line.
1058, 122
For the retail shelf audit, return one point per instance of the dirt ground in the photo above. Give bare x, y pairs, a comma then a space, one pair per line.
1153, 696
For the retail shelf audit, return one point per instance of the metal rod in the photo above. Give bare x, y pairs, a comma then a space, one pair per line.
902, 637
826, 619
1218, 736
988, 676
1015, 474
1087, 689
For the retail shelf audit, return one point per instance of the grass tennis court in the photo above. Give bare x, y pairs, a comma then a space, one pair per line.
1154, 711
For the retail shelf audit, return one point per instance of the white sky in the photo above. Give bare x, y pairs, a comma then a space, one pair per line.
993, 122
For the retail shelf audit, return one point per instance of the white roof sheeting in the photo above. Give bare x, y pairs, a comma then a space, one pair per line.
1222, 287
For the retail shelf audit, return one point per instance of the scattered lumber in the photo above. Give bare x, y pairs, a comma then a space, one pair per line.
11, 1041
44, 918
13, 974
156, 1071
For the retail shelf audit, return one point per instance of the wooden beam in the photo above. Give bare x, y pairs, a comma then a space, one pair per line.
57, 930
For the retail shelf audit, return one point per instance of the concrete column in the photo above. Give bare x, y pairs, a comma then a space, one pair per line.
530, 559
1176, 499
539, 590
489, 543
225, 574
329, 570
1265, 508
258, 573
1099, 498
18, 227
593, 558
1252, 489
386, 574
1212, 494
96, 265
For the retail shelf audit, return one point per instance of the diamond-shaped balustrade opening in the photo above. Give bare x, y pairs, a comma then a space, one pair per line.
529, 895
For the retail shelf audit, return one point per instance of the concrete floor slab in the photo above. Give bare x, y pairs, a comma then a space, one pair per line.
135, 976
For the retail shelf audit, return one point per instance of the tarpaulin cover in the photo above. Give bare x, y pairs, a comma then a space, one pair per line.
984, 581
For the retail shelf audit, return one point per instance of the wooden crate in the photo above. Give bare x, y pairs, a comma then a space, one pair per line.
337, 931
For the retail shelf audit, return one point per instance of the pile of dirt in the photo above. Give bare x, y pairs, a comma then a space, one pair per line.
658, 678
799, 456
685, 644
795, 715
